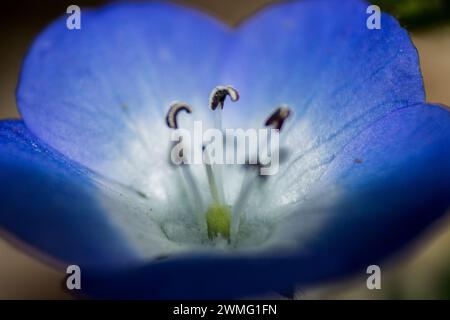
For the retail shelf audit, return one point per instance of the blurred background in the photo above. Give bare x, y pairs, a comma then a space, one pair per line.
420, 272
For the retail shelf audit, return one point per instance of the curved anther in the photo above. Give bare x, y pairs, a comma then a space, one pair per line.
218, 95
278, 117
171, 117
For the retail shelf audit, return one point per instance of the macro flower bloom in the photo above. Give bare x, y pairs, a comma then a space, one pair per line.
85, 176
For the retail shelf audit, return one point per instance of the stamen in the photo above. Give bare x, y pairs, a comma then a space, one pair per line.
211, 179
276, 120
278, 117
171, 120
218, 95
217, 99
171, 117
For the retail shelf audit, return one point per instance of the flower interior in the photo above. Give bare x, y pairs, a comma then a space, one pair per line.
222, 205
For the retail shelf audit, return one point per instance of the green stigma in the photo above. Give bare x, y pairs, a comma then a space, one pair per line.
218, 220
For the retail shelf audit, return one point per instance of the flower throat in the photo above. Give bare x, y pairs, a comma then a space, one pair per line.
218, 220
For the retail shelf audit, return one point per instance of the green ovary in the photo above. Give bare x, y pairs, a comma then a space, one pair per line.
218, 220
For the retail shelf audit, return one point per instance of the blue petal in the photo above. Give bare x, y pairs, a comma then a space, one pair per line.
320, 59
399, 184
92, 93
390, 183
50, 203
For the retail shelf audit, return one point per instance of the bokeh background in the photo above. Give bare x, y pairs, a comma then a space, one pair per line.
420, 272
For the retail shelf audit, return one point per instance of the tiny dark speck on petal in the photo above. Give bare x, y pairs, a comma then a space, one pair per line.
358, 161
141, 194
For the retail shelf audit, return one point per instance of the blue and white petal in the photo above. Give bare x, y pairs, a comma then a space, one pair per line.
64, 210
383, 189
319, 58
99, 94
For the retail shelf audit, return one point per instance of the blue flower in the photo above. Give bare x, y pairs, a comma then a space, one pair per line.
85, 178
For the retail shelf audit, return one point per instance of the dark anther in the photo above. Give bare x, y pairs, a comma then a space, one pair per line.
171, 118
277, 118
219, 94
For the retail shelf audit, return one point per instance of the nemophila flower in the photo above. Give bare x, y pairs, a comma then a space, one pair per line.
85, 176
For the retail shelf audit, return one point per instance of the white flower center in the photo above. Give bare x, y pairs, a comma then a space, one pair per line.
217, 221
